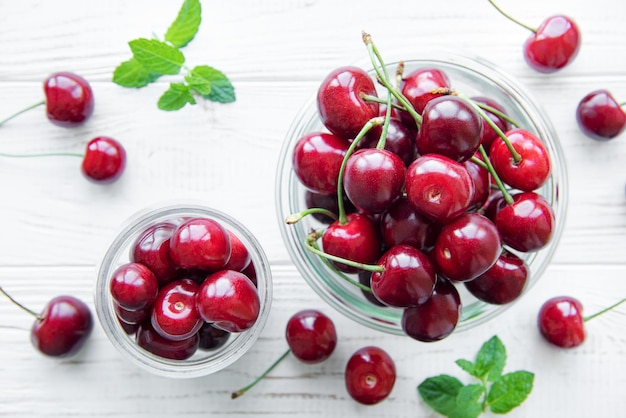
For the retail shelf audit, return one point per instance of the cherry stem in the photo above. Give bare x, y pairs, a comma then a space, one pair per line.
376, 57
511, 18
49, 154
499, 114
33, 313
587, 318
23, 111
296, 217
375, 99
312, 246
243, 390
487, 164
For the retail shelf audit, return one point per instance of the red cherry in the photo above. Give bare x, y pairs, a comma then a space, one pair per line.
418, 87
200, 243
311, 336
370, 375
554, 44
129, 317
561, 322
69, 99
527, 224
133, 286
239, 256
104, 161
600, 116
403, 224
482, 183
400, 140
148, 339
212, 338
229, 300
340, 102
488, 134
174, 315
152, 249
503, 282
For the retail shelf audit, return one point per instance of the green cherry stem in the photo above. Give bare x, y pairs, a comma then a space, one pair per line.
499, 114
48, 154
22, 111
310, 244
30, 311
487, 164
511, 18
590, 317
296, 217
244, 389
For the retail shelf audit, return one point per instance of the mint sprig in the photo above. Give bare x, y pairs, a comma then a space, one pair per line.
495, 391
153, 58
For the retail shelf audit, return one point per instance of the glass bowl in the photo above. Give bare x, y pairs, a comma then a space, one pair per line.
202, 362
472, 77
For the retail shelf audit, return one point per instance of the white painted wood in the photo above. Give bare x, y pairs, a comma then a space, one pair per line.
56, 224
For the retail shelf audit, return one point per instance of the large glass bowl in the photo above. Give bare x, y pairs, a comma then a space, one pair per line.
472, 77
203, 362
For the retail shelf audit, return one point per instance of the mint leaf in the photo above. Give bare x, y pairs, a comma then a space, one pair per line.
468, 403
509, 391
157, 56
132, 73
211, 84
440, 392
176, 97
186, 25
467, 365
490, 359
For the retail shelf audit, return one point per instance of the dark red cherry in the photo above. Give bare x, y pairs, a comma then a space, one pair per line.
317, 159
174, 315
561, 322
482, 183
62, 328
439, 187
399, 140
403, 224
152, 249
436, 318
373, 179
600, 116
212, 338
69, 99
489, 134
311, 336
148, 339
418, 87
527, 224
200, 243
467, 247
340, 102
133, 286
328, 202
370, 375
229, 300
450, 127
503, 283
129, 317
553, 45
364, 279
408, 278
358, 239
531, 171
104, 160
239, 255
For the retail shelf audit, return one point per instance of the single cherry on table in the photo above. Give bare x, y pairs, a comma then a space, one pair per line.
600, 116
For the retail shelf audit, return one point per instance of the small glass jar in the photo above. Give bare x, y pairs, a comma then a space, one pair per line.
472, 77
202, 362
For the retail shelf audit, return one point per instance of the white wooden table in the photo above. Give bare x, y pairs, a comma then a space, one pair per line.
56, 224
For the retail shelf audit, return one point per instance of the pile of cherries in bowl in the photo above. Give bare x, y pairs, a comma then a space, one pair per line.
421, 196
184, 290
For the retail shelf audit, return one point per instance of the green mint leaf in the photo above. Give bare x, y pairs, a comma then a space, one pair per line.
211, 84
509, 391
490, 359
176, 97
440, 393
186, 25
132, 73
467, 365
157, 56
468, 404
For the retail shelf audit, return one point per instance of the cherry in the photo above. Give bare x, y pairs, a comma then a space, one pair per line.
370, 375
317, 159
62, 327
553, 45
401, 223
152, 249
531, 171
420, 86
489, 134
128, 317
200, 243
357, 239
600, 116
482, 183
311, 337
148, 339
503, 282
174, 315
212, 338
104, 161
239, 255
327, 202
527, 224
399, 140
467, 247
373, 179
407, 278
68, 98
341, 103
439, 187
436, 318
133, 286
229, 300
561, 322
364, 279
450, 127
